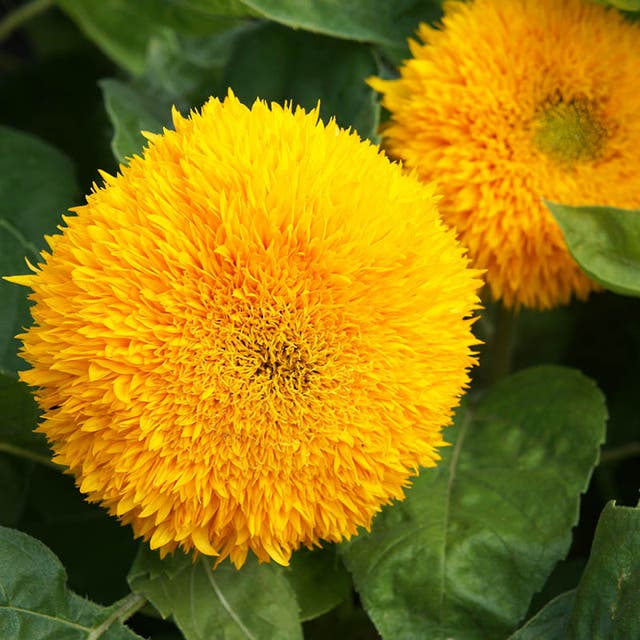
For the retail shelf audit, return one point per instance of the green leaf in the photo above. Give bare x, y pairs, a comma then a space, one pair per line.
320, 581
477, 536
605, 242
607, 599
95, 549
35, 602
309, 68
37, 185
255, 602
551, 622
123, 29
606, 603
377, 21
131, 112
18, 417
186, 70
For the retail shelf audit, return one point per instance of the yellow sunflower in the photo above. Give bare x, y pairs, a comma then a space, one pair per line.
251, 337
512, 102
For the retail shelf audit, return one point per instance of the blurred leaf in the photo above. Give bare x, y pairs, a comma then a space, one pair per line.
37, 185
95, 549
123, 29
605, 242
186, 70
130, 112
478, 535
309, 68
218, 604
607, 601
35, 602
378, 21
551, 623
74, 120
320, 581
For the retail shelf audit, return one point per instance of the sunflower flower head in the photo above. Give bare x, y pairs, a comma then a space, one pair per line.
251, 337
510, 103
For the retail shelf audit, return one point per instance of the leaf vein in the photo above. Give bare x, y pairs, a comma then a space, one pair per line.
225, 603
445, 525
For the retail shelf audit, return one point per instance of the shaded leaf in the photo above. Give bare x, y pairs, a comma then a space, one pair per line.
14, 486
309, 68
478, 535
378, 21
35, 602
255, 602
320, 581
131, 112
34, 192
95, 549
123, 29
551, 622
19, 417
607, 601
605, 242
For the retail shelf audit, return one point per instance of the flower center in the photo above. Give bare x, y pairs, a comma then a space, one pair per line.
285, 364
569, 132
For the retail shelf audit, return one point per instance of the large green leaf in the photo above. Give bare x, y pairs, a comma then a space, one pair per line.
477, 536
606, 603
131, 112
37, 185
378, 21
309, 68
608, 597
254, 603
320, 581
123, 29
605, 242
35, 602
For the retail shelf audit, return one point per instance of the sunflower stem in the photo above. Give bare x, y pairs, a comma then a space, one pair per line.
502, 344
126, 608
617, 454
20, 452
16, 18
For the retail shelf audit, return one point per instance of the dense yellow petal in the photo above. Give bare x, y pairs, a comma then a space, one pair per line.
510, 103
252, 336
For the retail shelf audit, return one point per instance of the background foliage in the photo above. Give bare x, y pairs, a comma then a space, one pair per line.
497, 542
